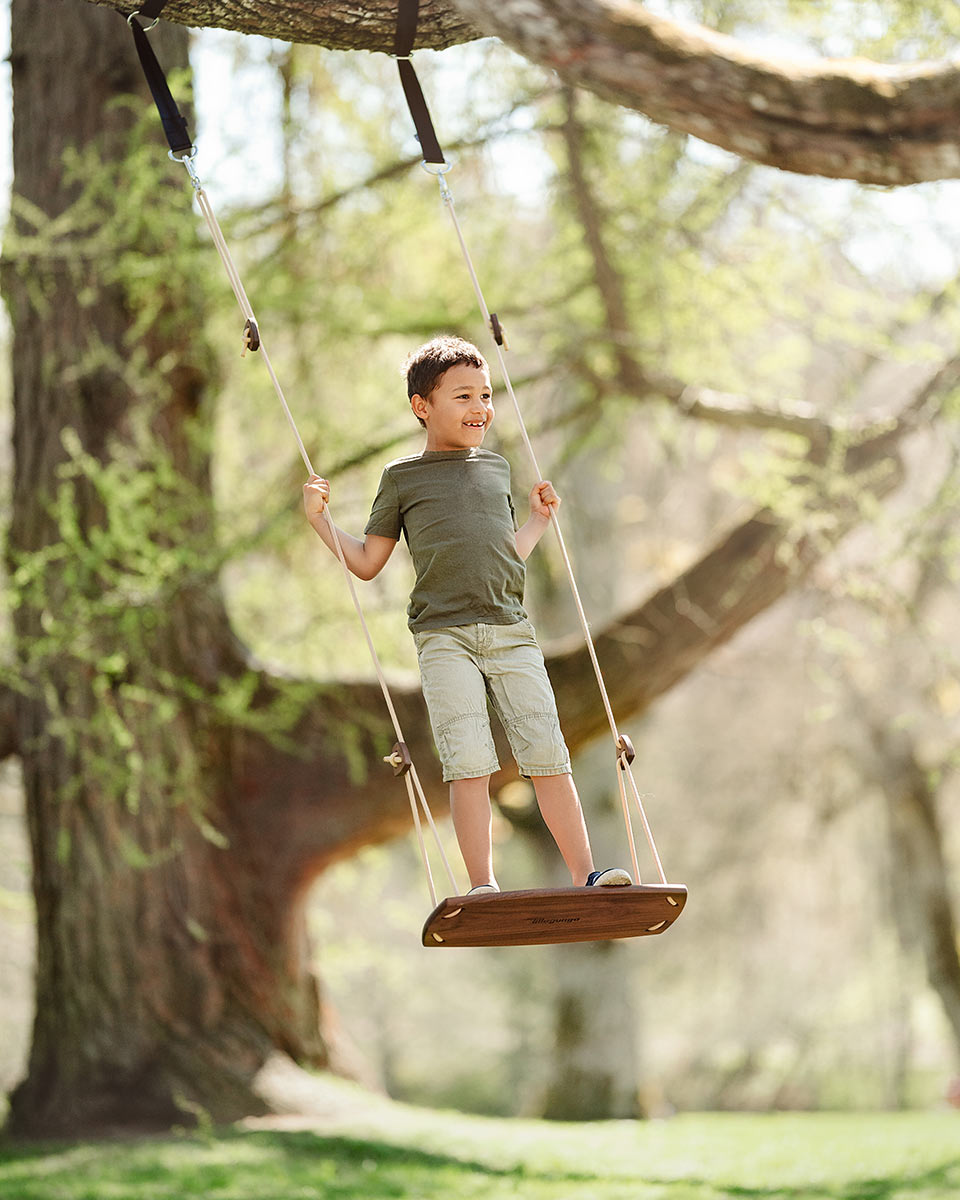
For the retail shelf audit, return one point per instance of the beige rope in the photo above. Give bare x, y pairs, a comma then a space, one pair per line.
646, 824
447, 197
415, 791
625, 806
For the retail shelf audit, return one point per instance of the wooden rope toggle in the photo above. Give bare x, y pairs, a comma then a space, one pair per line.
251, 337
625, 751
498, 331
399, 758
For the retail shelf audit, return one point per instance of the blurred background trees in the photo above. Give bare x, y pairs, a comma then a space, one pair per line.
696, 341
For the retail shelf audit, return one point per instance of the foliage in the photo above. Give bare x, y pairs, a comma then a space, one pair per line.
888, 30
131, 528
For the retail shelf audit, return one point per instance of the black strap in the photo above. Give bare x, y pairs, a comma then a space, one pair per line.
174, 125
407, 13
151, 9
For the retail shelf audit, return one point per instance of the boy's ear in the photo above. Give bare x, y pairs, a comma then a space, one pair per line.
419, 405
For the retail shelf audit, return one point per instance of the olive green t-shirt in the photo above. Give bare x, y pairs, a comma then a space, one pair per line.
455, 510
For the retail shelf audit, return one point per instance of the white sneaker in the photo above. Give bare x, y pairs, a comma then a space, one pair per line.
483, 889
611, 877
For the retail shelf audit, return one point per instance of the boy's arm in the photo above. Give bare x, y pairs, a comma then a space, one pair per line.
543, 500
365, 558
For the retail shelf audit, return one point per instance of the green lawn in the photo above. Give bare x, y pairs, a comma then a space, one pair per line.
368, 1149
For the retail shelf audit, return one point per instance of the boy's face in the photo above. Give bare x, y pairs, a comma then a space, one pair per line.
459, 410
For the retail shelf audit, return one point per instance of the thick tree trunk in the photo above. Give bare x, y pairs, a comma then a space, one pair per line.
164, 970
846, 119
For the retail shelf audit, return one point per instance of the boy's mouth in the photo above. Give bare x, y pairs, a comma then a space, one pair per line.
475, 424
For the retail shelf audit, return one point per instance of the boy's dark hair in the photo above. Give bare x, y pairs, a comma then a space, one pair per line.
424, 367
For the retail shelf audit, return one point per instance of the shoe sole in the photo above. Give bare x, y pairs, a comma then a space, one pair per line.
614, 877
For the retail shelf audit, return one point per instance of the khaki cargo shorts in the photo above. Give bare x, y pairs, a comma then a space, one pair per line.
464, 666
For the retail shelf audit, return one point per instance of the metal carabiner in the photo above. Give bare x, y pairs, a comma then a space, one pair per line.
145, 28
440, 170
188, 160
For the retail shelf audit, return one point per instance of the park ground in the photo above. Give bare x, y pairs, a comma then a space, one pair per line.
356, 1146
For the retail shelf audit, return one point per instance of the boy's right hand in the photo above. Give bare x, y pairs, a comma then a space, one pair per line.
316, 493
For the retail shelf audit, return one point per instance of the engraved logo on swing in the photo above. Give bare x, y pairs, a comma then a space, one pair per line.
554, 920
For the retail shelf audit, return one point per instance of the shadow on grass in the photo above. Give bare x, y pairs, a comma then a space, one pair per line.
263, 1164
945, 1177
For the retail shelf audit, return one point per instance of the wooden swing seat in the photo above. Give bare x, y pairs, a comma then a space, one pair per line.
549, 915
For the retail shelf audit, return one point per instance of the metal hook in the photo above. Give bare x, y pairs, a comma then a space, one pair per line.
440, 170
188, 160
145, 28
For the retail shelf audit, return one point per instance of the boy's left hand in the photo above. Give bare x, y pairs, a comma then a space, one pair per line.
543, 499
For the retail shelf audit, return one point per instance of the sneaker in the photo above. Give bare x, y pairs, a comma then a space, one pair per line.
611, 877
483, 889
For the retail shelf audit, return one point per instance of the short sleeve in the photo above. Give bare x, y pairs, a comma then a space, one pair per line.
385, 519
513, 511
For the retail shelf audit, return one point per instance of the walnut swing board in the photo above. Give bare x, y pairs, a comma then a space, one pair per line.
550, 915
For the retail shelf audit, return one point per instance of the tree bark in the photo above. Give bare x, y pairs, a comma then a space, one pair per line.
845, 119
164, 972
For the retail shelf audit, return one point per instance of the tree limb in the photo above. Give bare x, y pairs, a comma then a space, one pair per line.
842, 118
631, 376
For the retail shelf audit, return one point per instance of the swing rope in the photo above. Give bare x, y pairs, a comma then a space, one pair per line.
182, 150
435, 163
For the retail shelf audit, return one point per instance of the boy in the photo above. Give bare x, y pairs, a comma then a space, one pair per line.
452, 503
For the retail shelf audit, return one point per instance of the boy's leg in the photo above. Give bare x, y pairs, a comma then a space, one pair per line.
561, 811
524, 700
472, 822
455, 692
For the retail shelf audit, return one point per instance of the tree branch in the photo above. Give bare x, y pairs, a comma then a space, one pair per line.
336, 24
633, 378
845, 119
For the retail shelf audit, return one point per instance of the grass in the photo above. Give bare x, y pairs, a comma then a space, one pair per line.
368, 1148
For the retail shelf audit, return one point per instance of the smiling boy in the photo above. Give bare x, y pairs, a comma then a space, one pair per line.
452, 503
